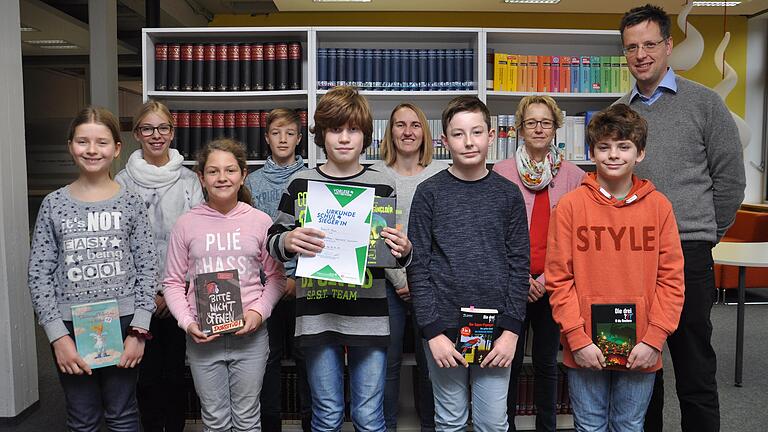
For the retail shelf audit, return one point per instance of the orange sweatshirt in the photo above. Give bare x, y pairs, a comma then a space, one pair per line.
601, 250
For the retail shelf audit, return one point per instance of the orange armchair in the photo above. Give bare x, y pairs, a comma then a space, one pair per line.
750, 226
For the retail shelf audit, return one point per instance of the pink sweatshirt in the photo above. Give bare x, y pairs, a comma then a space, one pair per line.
203, 241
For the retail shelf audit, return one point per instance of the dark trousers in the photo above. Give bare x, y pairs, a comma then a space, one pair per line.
161, 391
281, 326
690, 345
109, 392
546, 342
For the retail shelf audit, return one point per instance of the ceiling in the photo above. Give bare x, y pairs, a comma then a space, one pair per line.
67, 20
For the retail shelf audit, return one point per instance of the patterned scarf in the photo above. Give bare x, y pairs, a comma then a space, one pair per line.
537, 175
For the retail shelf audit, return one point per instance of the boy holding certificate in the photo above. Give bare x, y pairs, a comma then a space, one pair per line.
329, 315
464, 221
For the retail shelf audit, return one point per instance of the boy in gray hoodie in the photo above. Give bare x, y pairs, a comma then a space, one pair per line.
266, 185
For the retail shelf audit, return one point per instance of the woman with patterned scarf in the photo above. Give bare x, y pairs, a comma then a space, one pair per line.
543, 177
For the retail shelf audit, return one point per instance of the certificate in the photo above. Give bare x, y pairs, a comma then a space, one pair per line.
343, 213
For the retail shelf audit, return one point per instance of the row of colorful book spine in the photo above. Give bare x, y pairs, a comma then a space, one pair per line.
396, 69
196, 128
236, 66
559, 74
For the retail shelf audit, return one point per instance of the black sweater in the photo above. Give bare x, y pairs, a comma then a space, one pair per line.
470, 248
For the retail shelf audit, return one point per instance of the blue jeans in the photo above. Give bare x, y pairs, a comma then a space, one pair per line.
109, 392
423, 398
452, 388
325, 371
609, 400
228, 374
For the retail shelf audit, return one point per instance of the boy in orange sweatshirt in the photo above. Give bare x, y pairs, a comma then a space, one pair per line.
614, 272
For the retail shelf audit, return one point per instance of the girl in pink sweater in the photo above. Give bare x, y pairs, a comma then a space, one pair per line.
224, 233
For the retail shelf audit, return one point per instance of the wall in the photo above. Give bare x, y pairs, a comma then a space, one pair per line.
705, 72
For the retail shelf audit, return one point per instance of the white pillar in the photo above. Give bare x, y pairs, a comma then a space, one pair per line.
18, 356
102, 22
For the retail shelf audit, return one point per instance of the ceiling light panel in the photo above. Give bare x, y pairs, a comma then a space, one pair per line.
47, 42
717, 3
533, 1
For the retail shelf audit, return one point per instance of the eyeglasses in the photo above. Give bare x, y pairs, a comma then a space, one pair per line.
148, 131
647, 47
545, 124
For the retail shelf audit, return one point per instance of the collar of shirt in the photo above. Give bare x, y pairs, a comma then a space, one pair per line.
667, 83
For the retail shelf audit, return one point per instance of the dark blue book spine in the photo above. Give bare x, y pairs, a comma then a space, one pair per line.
450, 73
422, 57
413, 69
386, 68
350, 67
469, 76
377, 69
322, 68
359, 67
331, 68
368, 60
341, 66
458, 69
442, 81
395, 75
405, 69
433, 82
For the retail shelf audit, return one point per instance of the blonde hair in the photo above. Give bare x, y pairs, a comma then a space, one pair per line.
238, 151
149, 107
388, 149
98, 115
550, 103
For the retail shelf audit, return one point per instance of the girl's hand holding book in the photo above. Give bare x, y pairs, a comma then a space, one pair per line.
197, 336
133, 352
444, 352
642, 356
397, 241
67, 358
305, 241
589, 357
503, 351
253, 321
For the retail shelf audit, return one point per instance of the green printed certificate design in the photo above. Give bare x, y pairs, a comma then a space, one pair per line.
343, 213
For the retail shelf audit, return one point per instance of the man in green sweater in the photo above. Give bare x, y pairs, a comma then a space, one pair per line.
693, 156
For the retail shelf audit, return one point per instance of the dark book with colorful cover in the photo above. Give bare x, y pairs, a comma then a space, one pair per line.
386, 70
467, 74
476, 333
98, 336
175, 119
174, 71
422, 57
270, 80
413, 69
322, 68
246, 56
182, 134
368, 69
257, 66
195, 133
209, 73
161, 67
241, 126
304, 143
186, 67
229, 124
384, 214
206, 127
359, 67
350, 67
281, 66
219, 304
378, 69
263, 144
222, 66
341, 67
294, 66
219, 131
198, 66
331, 70
432, 77
614, 331
395, 69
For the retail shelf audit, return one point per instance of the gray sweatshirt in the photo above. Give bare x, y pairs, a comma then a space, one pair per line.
85, 252
693, 156
406, 187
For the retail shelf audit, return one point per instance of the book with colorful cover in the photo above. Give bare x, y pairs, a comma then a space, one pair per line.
522, 73
605, 74
585, 73
98, 336
565, 74
623, 75
384, 215
544, 78
614, 331
554, 80
615, 74
476, 333
499, 72
595, 76
219, 304
512, 60
533, 73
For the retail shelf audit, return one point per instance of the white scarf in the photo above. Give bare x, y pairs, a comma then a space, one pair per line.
151, 176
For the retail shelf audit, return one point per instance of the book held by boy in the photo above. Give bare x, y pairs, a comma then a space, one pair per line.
614, 331
98, 336
476, 333
384, 214
219, 305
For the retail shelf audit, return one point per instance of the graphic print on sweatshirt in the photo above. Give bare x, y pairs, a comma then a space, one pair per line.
224, 251
94, 249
